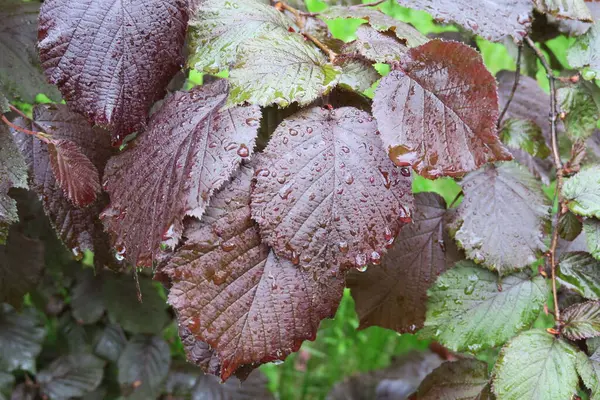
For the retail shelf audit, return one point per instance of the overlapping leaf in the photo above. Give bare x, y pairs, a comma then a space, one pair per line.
218, 29
190, 149
569, 226
584, 52
536, 365
110, 343
469, 308
462, 379
500, 224
198, 352
589, 370
582, 192
394, 295
21, 337
112, 60
79, 228
20, 74
441, 124
383, 47
591, 227
357, 74
581, 110
579, 271
232, 292
71, 376
326, 190
288, 70
581, 321
491, 19
525, 135
569, 9
87, 302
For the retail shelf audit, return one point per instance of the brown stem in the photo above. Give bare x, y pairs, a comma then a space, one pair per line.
372, 4
44, 137
515, 85
15, 109
330, 53
559, 172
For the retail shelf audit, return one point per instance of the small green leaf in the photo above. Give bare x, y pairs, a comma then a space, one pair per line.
580, 271
525, 135
582, 114
589, 370
582, 192
569, 226
582, 321
462, 379
591, 227
470, 308
288, 70
535, 365
358, 75
71, 376
584, 52
21, 337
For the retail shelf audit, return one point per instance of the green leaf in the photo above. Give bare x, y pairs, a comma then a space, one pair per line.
525, 135
288, 70
218, 29
569, 226
470, 308
88, 300
591, 227
582, 192
535, 365
582, 113
71, 376
589, 370
581, 321
580, 271
7, 382
21, 337
462, 379
110, 343
565, 9
586, 50
357, 75
143, 366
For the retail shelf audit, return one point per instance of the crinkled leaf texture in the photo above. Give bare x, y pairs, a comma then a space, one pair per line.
580, 108
500, 223
584, 52
524, 135
376, 46
13, 173
20, 74
218, 29
589, 370
582, 192
79, 228
437, 111
358, 74
569, 9
569, 226
190, 149
581, 321
591, 227
469, 308
21, 337
394, 294
112, 60
536, 365
71, 376
492, 19
580, 271
280, 68
232, 292
327, 192
463, 379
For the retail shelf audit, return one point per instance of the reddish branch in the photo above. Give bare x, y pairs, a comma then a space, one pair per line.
44, 137
559, 174
515, 85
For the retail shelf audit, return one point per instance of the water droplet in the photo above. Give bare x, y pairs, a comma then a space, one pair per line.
376, 258
169, 233
120, 254
77, 253
345, 149
277, 362
349, 179
343, 246
252, 121
243, 151
228, 246
403, 156
469, 289
361, 261
293, 132
295, 258
405, 172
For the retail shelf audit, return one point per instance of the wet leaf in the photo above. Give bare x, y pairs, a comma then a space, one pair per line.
585, 51
383, 47
232, 292
143, 366
580, 272
582, 192
581, 321
110, 343
394, 295
524, 135
591, 227
441, 125
289, 70
327, 192
21, 337
569, 9
198, 352
190, 149
79, 228
500, 223
536, 365
20, 74
582, 113
470, 308
112, 61
569, 226
589, 370
462, 379
217, 30
71, 376
357, 75
491, 19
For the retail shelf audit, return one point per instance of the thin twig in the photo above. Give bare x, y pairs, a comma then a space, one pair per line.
330, 53
44, 137
515, 85
15, 109
373, 4
559, 173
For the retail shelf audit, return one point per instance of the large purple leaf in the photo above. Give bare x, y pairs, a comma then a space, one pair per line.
232, 292
501, 222
112, 59
394, 294
79, 228
437, 111
326, 190
190, 149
